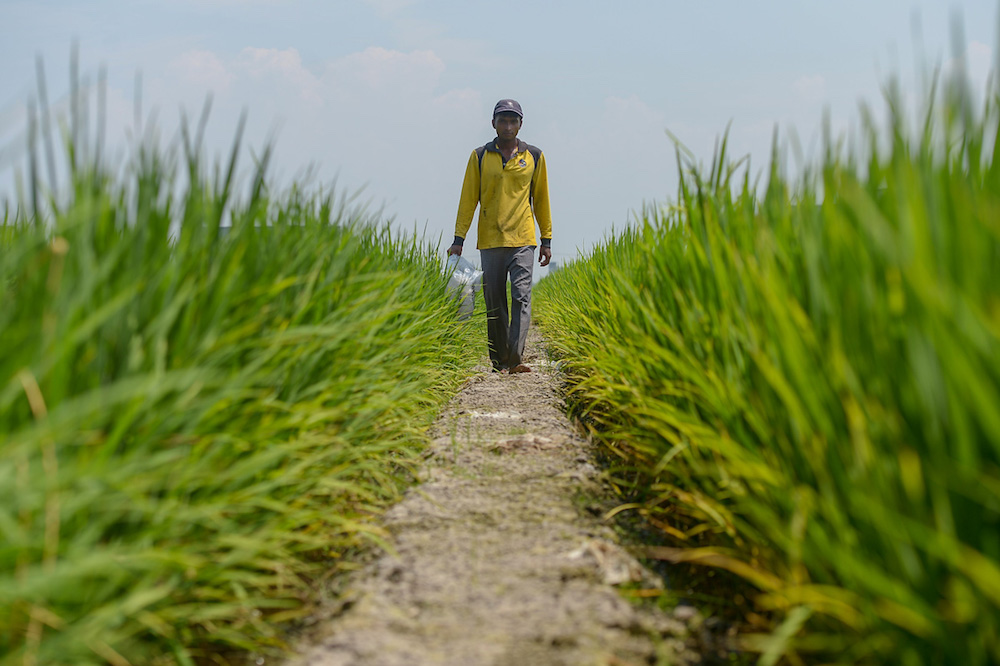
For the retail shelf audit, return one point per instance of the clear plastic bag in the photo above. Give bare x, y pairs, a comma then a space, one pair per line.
464, 280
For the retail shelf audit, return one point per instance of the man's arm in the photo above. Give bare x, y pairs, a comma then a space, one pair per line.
466, 204
540, 205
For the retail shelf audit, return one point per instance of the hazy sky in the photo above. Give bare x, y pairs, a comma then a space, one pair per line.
393, 95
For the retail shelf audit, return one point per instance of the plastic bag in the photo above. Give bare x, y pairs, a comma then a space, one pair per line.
464, 280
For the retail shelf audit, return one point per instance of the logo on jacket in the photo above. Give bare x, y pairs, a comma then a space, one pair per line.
522, 163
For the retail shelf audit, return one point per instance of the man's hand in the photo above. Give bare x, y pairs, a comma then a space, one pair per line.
455, 249
544, 255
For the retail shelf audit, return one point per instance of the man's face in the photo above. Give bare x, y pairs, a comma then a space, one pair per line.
507, 125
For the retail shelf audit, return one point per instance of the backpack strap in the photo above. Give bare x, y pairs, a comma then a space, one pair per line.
480, 151
536, 155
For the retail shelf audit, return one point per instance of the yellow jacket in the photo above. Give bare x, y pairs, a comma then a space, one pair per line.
510, 197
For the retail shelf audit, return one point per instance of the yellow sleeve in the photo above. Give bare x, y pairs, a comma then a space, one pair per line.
470, 197
540, 198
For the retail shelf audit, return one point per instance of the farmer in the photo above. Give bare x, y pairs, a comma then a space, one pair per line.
506, 178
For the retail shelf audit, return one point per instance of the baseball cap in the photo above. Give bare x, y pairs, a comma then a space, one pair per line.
508, 105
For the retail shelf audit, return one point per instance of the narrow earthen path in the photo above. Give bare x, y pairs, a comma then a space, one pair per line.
497, 562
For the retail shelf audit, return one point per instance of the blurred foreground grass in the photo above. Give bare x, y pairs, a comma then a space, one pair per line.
803, 388
196, 426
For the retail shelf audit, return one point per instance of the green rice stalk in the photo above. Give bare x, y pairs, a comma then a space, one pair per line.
803, 386
196, 427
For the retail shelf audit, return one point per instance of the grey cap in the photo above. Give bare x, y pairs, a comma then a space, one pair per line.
508, 105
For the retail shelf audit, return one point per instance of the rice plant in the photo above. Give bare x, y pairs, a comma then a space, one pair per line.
803, 387
197, 427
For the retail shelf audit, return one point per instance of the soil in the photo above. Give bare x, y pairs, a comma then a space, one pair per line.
494, 558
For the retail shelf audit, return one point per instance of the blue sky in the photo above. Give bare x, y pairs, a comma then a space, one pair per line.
392, 95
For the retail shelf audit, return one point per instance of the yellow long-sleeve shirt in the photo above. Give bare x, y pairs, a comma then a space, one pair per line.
510, 196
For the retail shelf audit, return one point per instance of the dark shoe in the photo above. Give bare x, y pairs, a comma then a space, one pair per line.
520, 367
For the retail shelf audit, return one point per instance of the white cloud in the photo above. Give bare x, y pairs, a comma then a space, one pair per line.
380, 69
464, 100
202, 69
373, 77
373, 86
265, 60
363, 118
276, 69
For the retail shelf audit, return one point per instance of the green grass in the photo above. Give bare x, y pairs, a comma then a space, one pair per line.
197, 428
803, 387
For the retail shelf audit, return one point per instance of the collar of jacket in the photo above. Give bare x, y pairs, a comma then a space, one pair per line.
492, 146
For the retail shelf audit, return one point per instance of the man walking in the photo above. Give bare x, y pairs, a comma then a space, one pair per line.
506, 178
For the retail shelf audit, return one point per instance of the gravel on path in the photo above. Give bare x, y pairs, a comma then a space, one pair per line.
495, 560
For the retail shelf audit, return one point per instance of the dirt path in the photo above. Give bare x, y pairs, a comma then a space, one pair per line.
497, 560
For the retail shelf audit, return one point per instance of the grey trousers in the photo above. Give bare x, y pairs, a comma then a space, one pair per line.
507, 331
